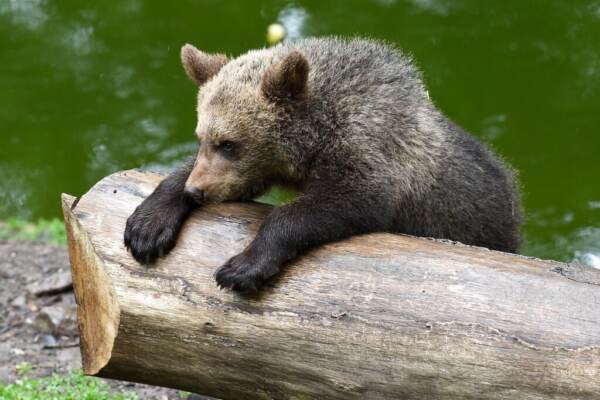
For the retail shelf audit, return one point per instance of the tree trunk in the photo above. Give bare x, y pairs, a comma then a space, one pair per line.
379, 316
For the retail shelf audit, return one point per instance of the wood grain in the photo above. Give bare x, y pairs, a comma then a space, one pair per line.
379, 316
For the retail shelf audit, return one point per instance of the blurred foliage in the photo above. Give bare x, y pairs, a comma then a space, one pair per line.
50, 230
277, 196
23, 368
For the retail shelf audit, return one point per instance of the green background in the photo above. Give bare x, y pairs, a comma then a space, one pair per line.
90, 88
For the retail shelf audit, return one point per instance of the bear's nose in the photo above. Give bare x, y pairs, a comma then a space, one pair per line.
197, 194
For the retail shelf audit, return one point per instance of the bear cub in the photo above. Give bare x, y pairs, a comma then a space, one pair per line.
350, 125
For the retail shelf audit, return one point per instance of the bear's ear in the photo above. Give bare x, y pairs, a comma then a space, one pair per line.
200, 66
287, 79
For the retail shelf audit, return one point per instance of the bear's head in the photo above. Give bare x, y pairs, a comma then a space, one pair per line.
244, 107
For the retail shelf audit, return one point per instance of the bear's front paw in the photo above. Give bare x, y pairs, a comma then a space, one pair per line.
152, 232
244, 273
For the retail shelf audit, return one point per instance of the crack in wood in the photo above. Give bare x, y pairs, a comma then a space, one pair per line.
578, 273
514, 338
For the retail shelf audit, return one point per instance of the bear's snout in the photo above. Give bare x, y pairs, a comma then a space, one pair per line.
198, 195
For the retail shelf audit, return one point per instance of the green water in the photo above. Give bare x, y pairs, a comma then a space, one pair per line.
89, 88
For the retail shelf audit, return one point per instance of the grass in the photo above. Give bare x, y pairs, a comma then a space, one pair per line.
277, 196
74, 386
50, 230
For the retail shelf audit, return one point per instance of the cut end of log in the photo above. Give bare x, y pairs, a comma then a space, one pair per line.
97, 309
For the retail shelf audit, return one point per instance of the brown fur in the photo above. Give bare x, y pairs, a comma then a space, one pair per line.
200, 66
350, 124
286, 79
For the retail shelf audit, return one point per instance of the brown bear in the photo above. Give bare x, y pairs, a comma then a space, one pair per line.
350, 125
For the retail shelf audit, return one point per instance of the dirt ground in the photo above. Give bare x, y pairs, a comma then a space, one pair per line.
37, 316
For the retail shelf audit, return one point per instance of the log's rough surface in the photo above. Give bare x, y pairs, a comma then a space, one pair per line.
376, 317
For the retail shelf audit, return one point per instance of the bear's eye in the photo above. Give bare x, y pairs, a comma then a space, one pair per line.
226, 146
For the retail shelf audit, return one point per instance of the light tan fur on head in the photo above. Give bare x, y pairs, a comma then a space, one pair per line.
232, 112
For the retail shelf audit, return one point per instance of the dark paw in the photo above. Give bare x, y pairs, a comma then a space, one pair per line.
152, 230
244, 273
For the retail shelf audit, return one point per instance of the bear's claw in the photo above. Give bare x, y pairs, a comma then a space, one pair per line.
244, 273
152, 230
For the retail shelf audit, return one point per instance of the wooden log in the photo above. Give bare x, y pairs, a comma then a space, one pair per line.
379, 316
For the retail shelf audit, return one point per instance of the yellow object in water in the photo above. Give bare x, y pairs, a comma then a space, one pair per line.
275, 33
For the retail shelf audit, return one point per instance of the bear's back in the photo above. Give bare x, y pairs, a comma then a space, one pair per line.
355, 66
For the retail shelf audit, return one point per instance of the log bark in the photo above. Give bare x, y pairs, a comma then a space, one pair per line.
378, 316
